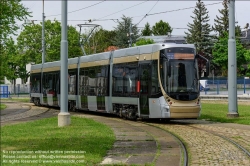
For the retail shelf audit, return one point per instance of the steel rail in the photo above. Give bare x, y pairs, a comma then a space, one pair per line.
228, 139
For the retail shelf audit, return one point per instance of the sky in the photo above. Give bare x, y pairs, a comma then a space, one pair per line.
81, 10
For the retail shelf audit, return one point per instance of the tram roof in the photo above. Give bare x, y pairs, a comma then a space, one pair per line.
145, 49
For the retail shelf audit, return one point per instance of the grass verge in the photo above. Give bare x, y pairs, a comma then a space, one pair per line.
217, 112
25, 100
2, 106
42, 142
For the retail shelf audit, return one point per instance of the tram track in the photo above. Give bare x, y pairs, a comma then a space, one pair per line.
169, 148
184, 149
185, 155
207, 148
23, 112
239, 145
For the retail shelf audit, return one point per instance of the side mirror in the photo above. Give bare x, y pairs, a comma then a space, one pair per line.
207, 64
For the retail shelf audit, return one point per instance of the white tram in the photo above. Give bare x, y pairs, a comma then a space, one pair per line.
151, 81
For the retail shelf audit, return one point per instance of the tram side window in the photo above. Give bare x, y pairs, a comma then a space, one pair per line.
51, 83
83, 82
155, 89
35, 83
118, 73
92, 81
145, 79
72, 81
124, 79
48, 81
130, 78
102, 81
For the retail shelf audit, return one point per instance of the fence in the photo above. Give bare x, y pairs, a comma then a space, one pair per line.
4, 91
219, 86
20, 89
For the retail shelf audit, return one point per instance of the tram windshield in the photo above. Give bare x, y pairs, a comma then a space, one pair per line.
180, 74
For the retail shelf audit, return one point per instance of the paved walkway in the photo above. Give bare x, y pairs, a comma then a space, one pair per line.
17, 112
138, 143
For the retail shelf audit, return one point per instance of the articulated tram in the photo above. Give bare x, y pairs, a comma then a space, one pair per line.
151, 81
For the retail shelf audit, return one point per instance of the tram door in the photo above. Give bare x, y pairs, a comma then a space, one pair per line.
145, 79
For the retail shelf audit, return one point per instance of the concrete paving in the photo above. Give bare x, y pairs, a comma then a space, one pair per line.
140, 144
209, 149
17, 112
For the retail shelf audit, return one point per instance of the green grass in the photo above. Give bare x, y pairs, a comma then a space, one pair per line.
89, 138
25, 100
2, 106
218, 112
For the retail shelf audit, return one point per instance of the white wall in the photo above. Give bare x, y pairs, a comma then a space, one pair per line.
18, 80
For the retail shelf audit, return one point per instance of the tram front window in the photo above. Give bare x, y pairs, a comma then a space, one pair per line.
181, 79
182, 76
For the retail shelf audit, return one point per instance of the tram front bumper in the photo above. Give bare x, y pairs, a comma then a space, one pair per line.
184, 112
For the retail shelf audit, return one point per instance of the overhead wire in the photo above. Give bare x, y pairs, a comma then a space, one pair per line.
147, 13
182, 9
144, 16
169, 11
100, 19
121, 10
78, 9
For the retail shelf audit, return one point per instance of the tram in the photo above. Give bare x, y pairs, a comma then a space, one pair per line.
150, 81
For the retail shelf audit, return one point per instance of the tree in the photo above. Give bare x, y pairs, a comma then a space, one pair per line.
144, 41
246, 67
99, 41
122, 32
14, 63
30, 42
199, 31
11, 11
147, 30
161, 28
220, 55
222, 23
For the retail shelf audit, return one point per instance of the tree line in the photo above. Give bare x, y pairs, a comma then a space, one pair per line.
28, 46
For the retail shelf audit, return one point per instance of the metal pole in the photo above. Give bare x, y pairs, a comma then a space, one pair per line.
232, 64
43, 40
244, 85
64, 116
218, 87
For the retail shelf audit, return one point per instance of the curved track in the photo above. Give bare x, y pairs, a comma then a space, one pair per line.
211, 148
226, 138
141, 143
21, 112
157, 142
182, 144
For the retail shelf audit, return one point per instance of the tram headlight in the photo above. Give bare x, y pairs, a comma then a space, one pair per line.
164, 107
198, 102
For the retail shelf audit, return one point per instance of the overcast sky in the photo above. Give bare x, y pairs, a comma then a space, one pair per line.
115, 10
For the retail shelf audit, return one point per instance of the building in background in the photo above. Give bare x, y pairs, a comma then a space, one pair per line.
167, 39
21, 86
